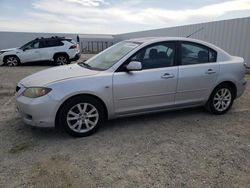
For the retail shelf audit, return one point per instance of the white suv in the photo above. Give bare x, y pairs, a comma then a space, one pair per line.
59, 50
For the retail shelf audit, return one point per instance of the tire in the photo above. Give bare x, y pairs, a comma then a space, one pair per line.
11, 61
221, 99
85, 122
61, 59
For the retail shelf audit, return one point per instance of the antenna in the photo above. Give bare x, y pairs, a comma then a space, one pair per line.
195, 32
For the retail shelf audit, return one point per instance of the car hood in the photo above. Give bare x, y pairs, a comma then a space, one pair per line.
7, 50
55, 74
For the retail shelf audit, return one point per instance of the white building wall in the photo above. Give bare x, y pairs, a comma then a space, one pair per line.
231, 35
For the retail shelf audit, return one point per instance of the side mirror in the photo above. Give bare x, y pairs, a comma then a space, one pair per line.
25, 49
134, 66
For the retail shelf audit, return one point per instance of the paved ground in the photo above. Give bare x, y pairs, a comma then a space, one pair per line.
186, 148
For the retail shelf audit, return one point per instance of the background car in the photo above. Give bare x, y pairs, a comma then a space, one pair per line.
59, 50
132, 77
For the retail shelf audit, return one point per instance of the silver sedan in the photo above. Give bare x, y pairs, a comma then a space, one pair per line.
132, 77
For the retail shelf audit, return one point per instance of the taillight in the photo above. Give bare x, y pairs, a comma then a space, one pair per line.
73, 46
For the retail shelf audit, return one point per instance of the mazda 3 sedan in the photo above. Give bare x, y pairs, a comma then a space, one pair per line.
132, 77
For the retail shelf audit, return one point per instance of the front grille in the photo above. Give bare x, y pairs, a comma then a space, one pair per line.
17, 88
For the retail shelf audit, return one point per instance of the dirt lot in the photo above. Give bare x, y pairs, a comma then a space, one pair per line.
186, 148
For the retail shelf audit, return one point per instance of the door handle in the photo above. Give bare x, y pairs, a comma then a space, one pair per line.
167, 75
210, 71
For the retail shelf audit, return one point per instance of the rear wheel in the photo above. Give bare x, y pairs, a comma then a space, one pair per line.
221, 99
12, 61
61, 60
81, 116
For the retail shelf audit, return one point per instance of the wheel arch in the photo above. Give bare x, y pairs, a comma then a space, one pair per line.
82, 95
229, 83
60, 53
10, 55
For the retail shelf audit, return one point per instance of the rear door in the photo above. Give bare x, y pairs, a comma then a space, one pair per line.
198, 71
151, 88
49, 47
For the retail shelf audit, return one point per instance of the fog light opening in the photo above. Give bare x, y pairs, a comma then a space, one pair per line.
29, 117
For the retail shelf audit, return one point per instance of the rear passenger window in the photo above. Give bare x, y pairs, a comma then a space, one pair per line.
52, 43
192, 53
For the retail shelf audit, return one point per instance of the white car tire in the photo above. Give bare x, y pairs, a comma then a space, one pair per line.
11, 61
61, 59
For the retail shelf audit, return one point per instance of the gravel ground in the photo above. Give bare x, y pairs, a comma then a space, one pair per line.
185, 148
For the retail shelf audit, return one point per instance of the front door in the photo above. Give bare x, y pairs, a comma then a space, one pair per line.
30, 53
153, 87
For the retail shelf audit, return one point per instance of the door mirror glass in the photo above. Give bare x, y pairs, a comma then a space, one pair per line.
134, 66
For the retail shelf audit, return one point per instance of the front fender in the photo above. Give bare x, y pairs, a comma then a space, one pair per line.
98, 86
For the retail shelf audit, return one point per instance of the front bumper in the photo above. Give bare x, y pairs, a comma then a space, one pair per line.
38, 112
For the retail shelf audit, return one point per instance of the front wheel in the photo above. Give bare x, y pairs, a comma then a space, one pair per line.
81, 116
221, 99
11, 61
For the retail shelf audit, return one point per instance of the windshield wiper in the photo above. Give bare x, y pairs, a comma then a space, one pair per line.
88, 66
84, 64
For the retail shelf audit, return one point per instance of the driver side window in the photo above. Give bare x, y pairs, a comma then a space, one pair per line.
36, 45
156, 56
33, 45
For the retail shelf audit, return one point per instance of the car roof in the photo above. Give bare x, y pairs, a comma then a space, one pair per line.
159, 39
53, 38
150, 40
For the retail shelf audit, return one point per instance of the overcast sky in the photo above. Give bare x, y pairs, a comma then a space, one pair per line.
113, 16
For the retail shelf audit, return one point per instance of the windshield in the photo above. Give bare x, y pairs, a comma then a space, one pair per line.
112, 55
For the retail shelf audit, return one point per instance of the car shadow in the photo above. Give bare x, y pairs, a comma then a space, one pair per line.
151, 117
118, 124
38, 63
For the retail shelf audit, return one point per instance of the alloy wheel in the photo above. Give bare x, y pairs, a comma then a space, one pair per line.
222, 99
11, 61
61, 60
82, 117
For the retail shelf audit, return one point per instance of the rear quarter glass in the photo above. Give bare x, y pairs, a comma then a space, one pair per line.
71, 41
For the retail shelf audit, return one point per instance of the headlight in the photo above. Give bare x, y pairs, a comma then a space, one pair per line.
1, 52
34, 92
